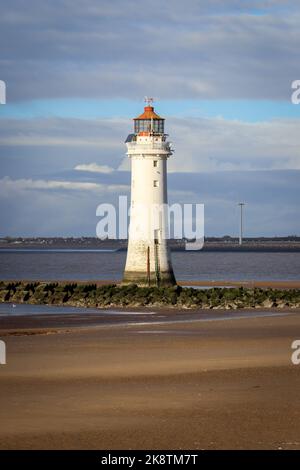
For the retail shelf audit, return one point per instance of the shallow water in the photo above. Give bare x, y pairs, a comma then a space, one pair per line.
113, 316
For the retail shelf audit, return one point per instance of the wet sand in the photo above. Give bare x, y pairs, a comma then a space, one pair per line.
163, 380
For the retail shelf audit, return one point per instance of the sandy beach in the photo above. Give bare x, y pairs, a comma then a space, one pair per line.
150, 380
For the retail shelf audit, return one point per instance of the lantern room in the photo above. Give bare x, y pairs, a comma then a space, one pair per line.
149, 122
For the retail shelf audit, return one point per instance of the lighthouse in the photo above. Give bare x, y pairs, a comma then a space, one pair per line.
148, 261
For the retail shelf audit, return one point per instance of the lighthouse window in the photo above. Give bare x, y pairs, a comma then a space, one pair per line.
142, 125
155, 163
155, 184
145, 125
158, 126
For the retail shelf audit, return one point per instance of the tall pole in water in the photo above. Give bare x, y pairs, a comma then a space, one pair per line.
241, 204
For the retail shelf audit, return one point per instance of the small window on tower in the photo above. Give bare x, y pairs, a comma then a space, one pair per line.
155, 184
155, 163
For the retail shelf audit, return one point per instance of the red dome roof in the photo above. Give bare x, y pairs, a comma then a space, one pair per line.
148, 114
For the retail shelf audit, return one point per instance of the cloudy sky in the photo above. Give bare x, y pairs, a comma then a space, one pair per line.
220, 71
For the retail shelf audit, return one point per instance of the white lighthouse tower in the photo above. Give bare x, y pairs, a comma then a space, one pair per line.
148, 257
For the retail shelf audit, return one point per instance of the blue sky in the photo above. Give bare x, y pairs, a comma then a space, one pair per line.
244, 110
220, 72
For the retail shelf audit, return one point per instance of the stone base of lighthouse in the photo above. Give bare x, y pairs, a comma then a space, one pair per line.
137, 277
148, 264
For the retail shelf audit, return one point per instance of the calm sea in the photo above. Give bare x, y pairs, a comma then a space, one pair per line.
188, 266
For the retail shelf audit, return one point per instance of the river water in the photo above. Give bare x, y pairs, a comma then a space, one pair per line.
188, 266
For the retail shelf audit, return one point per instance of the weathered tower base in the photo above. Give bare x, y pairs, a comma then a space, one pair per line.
165, 279
149, 264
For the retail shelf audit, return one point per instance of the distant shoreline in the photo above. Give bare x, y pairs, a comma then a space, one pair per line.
206, 248
211, 244
276, 284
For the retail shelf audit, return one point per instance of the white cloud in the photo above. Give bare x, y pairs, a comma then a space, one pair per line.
200, 49
63, 132
94, 168
201, 144
50, 207
124, 165
7, 184
218, 144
